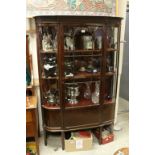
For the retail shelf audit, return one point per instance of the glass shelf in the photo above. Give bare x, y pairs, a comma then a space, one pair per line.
110, 89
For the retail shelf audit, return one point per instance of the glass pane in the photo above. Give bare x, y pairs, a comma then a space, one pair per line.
112, 36
48, 38
111, 62
110, 89
49, 67
48, 51
112, 50
83, 93
51, 93
83, 38
81, 67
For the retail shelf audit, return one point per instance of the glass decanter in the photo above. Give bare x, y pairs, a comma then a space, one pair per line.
87, 93
95, 94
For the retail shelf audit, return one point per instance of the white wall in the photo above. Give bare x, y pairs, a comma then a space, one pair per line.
33, 51
122, 13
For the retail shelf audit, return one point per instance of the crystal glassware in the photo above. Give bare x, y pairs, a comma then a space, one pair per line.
87, 93
95, 94
72, 93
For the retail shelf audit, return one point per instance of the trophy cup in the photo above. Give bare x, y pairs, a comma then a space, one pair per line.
72, 93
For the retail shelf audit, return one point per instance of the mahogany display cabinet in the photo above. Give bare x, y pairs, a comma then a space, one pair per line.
78, 61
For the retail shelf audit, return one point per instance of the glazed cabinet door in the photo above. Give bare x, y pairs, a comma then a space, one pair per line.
82, 71
111, 64
49, 73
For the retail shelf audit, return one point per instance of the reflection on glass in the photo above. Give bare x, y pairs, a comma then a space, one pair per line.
51, 97
83, 38
82, 66
72, 93
82, 93
49, 66
110, 62
95, 94
112, 33
69, 43
110, 89
99, 42
48, 38
87, 93
69, 68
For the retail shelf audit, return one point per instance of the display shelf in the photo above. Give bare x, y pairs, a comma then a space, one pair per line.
81, 104
48, 52
82, 51
50, 78
110, 73
82, 75
83, 55
51, 107
112, 50
79, 81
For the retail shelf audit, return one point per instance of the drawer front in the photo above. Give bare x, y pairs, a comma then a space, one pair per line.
107, 112
30, 130
29, 117
81, 117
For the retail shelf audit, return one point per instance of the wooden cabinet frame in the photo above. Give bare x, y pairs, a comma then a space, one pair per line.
62, 119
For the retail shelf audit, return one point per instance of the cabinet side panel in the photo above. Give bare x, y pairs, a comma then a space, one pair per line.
107, 113
52, 118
